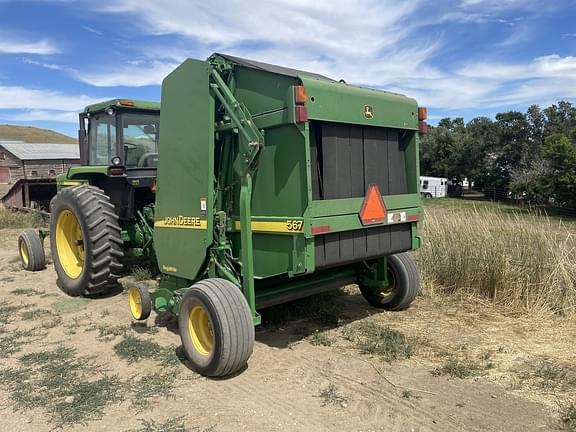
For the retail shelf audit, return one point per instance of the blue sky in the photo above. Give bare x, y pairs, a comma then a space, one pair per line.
458, 57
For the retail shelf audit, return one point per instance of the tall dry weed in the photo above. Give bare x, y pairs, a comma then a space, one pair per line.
524, 261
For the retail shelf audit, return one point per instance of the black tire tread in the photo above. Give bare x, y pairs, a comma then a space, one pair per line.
104, 238
233, 313
36, 255
407, 290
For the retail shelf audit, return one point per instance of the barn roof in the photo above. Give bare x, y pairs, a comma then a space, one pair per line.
41, 151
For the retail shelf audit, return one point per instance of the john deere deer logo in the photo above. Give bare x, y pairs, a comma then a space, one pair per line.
368, 111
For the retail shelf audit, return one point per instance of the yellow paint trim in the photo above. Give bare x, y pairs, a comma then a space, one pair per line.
71, 183
202, 225
276, 226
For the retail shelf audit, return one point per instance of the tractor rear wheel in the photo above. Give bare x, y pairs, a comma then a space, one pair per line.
85, 240
31, 250
403, 285
216, 327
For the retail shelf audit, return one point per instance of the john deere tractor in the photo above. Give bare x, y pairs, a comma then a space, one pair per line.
267, 184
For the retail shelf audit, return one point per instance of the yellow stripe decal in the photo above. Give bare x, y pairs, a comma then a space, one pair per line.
72, 183
287, 226
188, 223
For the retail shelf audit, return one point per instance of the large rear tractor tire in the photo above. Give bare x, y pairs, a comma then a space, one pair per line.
31, 250
85, 241
216, 327
403, 286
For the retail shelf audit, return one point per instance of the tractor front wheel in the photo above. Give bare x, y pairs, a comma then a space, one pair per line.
31, 250
403, 285
216, 327
85, 240
140, 302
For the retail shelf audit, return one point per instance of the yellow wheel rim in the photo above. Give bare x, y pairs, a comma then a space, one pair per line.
24, 253
70, 244
200, 330
391, 285
135, 300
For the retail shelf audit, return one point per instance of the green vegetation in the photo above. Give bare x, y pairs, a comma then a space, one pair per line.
28, 292
71, 389
32, 134
408, 394
568, 418
373, 338
152, 385
141, 273
107, 333
331, 396
458, 368
133, 349
175, 424
320, 338
13, 341
531, 154
20, 219
551, 376
521, 261
8, 311
69, 304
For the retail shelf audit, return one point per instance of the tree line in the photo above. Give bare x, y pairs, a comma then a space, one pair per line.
529, 155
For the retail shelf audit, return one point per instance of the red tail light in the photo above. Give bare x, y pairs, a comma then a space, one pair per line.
423, 127
301, 114
116, 171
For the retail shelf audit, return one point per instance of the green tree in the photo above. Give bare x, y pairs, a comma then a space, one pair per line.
560, 153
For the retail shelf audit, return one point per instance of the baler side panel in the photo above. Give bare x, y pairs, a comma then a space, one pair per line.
185, 187
279, 190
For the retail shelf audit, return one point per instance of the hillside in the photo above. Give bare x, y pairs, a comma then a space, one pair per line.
33, 135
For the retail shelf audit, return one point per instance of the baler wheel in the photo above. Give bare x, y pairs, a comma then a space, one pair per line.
403, 287
140, 302
31, 250
216, 327
85, 240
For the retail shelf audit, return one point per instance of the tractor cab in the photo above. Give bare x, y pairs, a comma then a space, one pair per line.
120, 132
118, 142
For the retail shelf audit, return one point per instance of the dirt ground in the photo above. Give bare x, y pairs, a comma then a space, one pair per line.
305, 373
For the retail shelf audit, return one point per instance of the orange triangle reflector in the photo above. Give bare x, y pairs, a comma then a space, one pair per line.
373, 209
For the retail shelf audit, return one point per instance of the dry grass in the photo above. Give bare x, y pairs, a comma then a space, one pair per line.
16, 219
522, 261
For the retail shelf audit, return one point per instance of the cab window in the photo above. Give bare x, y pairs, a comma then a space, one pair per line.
140, 134
102, 131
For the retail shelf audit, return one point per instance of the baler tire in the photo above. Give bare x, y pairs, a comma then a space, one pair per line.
140, 302
31, 250
405, 282
216, 328
84, 225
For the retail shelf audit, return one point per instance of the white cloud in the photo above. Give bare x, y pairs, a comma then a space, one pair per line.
41, 115
16, 97
92, 30
131, 74
52, 66
11, 46
381, 43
